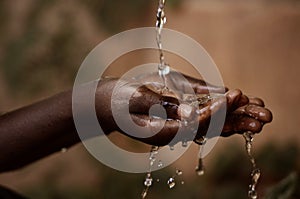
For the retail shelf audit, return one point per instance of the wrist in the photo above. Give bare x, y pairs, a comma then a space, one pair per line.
103, 104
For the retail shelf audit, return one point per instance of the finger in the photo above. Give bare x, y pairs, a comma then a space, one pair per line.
212, 107
239, 111
205, 114
167, 130
256, 101
236, 99
242, 101
257, 112
233, 97
241, 124
260, 113
144, 98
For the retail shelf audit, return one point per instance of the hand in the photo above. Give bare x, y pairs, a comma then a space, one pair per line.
50, 121
243, 113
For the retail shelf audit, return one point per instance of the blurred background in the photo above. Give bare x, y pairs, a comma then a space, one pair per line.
255, 44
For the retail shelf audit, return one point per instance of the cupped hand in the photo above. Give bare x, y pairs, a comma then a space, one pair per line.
242, 113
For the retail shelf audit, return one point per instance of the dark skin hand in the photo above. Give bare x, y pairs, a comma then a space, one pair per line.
37, 130
243, 113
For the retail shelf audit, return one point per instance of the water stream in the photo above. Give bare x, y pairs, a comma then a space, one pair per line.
255, 173
198, 100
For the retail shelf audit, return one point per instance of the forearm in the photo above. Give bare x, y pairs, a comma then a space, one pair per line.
35, 131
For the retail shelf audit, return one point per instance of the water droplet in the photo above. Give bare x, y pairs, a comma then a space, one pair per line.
144, 193
171, 182
152, 160
201, 141
184, 144
163, 70
160, 164
185, 122
182, 182
255, 175
154, 148
248, 136
252, 194
199, 171
63, 150
148, 181
158, 180
153, 153
178, 172
248, 147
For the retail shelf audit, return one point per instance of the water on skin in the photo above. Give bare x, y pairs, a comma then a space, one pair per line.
255, 173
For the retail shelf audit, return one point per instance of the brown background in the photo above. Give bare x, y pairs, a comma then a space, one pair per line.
255, 44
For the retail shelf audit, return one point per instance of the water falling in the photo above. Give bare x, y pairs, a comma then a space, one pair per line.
198, 100
163, 67
178, 172
184, 143
200, 169
148, 179
171, 181
160, 164
255, 173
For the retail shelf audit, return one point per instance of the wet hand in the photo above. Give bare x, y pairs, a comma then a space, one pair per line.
243, 113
